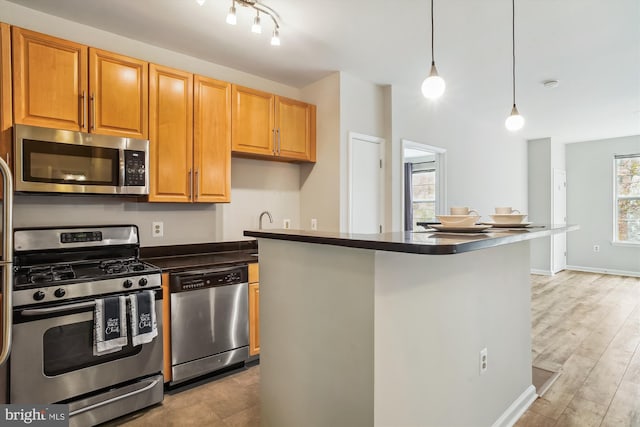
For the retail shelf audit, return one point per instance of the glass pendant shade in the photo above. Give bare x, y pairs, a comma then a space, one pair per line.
256, 27
515, 121
275, 39
231, 16
433, 86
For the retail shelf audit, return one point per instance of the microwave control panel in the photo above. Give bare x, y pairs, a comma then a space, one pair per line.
134, 168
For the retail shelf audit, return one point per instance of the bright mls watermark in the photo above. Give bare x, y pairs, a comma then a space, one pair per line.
34, 415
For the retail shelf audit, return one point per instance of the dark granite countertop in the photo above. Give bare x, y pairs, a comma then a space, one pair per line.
418, 242
176, 258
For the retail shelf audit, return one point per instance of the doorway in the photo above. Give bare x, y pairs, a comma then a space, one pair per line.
365, 183
423, 184
559, 208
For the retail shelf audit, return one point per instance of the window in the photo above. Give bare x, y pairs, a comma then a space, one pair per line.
627, 203
423, 183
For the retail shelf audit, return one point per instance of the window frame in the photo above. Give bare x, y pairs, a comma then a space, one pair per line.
616, 241
425, 167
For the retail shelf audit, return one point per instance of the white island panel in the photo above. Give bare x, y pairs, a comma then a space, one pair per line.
433, 315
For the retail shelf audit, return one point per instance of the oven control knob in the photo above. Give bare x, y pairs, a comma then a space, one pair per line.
142, 282
38, 296
127, 283
60, 292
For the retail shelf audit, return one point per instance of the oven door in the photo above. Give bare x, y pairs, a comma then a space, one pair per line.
52, 357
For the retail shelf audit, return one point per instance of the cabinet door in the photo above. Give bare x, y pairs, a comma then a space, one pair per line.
49, 81
295, 125
212, 140
254, 318
252, 121
6, 117
170, 135
118, 87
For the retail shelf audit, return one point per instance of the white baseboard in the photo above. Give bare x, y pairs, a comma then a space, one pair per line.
541, 272
603, 271
517, 408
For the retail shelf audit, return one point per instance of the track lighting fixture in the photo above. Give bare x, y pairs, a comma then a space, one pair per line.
256, 27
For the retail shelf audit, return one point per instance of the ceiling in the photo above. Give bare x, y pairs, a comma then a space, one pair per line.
592, 47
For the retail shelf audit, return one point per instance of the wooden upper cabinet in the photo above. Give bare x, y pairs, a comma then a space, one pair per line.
6, 114
269, 126
118, 94
65, 85
212, 140
170, 134
295, 127
49, 81
252, 121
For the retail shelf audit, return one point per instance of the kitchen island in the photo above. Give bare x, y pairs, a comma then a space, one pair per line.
388, 329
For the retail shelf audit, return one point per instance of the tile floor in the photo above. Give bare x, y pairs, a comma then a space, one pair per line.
586, 325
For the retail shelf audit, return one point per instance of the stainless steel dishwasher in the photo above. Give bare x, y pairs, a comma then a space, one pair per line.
209, 321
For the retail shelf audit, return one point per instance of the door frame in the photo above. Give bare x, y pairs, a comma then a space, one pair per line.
554, 209
376, 140
441, 174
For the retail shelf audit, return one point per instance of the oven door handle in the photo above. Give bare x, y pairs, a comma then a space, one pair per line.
59, 309
114, 399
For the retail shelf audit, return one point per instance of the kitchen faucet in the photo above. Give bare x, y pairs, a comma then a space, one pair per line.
260, 219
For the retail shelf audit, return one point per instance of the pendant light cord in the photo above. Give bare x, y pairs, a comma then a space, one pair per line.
513, 47
433, 59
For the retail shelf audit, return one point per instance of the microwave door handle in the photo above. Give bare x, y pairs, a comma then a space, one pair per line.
122, 168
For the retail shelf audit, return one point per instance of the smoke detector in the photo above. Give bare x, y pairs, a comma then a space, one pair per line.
550, 83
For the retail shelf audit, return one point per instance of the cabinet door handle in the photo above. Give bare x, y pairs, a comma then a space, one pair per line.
93, 111
278, 132
83, 111
190, 184
197, 186
273, 137
9, 158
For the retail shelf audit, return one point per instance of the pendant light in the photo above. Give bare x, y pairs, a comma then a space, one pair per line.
433, 86
515, 121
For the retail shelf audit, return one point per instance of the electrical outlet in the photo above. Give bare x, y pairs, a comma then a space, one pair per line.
314, 224
286, 224
157, 229
596, 248
483, 361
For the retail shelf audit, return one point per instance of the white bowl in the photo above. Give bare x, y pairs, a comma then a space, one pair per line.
508, 218
458, 220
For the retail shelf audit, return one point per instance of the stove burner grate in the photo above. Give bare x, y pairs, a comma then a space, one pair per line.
121, 266
49, 273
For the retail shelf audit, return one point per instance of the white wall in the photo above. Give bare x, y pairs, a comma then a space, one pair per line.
590, 204
345, 104
320, 183
256, 185
486, 164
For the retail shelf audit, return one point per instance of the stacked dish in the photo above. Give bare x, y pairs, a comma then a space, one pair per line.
464, 223
508, 220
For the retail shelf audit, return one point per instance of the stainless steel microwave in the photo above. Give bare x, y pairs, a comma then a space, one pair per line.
63, 161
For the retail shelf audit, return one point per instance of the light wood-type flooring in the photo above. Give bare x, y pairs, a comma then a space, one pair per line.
585, 325
588, 327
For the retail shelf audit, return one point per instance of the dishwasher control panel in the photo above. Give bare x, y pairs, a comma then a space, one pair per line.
208, 278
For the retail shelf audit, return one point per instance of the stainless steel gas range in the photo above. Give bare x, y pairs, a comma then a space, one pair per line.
59, 276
